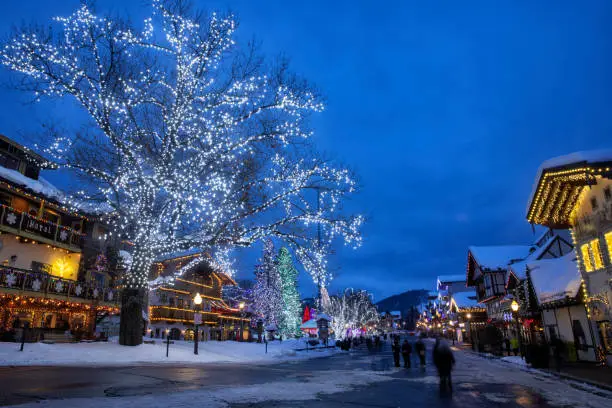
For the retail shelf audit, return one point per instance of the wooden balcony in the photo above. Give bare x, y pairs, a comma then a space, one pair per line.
25, 225
25, 282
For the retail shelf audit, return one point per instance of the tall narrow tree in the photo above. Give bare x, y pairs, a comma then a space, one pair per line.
291, 298
189, 142
267, 293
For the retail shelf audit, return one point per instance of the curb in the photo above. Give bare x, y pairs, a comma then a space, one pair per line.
596, 384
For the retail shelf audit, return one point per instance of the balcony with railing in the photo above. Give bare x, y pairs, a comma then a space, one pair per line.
24, 224
39, 284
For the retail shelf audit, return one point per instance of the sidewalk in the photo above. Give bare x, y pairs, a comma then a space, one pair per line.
584, 372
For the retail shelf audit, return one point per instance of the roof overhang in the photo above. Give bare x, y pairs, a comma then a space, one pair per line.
558, 190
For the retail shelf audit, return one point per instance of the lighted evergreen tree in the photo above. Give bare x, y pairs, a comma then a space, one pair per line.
185, 139
267, 292
290, 325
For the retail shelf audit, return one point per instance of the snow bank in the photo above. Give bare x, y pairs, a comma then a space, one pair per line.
111, 353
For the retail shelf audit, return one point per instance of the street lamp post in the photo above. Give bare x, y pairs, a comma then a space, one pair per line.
241, 307
197, 301
469, 318
515, 308
167, 342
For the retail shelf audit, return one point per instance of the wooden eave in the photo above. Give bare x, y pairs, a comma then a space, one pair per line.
558, 190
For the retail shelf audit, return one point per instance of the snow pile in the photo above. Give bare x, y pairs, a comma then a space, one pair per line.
499, 257
555, 279
112, 353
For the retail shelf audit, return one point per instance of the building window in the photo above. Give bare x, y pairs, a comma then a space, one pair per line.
591, 256
594, 204
608, 237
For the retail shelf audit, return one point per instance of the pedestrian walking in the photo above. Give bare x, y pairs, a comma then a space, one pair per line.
406, 351
444, 361
507, 344
420, 349
514, 343
395, 348
558, 352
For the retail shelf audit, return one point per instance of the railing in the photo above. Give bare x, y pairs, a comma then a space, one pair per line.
24, 222
44, 284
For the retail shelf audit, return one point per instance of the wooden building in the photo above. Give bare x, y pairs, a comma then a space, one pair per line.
171, 305
575, 192
55, 272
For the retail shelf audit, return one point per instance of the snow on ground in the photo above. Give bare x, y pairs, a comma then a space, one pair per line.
111, 353
325, 382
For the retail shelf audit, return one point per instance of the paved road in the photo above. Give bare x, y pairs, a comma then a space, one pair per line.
31, 384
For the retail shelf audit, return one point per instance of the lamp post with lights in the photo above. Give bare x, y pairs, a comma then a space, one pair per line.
515, 308
197, 317
469, 319
241, 307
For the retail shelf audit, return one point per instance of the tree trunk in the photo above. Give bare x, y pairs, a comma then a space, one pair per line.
131, 327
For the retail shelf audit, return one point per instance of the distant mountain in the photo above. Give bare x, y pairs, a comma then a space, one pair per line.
402, 302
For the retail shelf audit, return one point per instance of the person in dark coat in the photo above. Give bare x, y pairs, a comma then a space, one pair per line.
395, 348
419, 347
406, 351
444, 361
558, 352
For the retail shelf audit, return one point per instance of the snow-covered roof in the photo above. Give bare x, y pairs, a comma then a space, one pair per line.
465, 299
499, 257
40, 186
451, 278
555, 279
310, 324
587, 156
178, 254
395, 313
49, 191
582, 166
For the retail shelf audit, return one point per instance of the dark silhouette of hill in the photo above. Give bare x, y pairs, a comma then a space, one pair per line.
403, 302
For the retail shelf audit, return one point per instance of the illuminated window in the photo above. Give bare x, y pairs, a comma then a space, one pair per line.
591, 256
586, 257
596, 253
608, 237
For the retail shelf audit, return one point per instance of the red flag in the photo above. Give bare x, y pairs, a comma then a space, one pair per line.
306, 316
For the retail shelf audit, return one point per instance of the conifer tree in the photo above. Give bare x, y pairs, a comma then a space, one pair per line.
291, 298
267, 296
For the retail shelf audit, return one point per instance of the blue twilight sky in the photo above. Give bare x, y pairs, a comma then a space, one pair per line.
444, 108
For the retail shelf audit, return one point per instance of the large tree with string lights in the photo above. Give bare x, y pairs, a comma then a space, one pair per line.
187, 139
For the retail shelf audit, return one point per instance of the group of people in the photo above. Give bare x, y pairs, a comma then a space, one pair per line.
443, 358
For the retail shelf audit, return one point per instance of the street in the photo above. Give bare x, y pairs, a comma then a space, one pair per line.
354, 379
